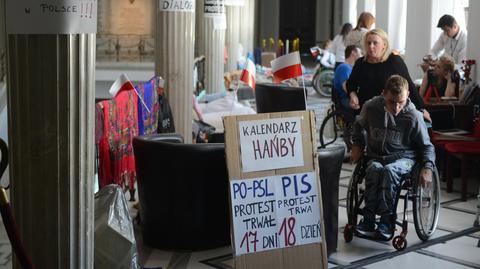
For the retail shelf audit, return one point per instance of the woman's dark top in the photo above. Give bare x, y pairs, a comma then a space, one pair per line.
368, 79
440, 85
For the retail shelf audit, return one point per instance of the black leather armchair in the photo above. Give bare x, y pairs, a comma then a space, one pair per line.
183, 193
277, 98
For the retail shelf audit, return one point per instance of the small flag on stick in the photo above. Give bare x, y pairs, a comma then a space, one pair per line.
286, 66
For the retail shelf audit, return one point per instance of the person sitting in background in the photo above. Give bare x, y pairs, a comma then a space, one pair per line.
396, 137
364, 23
453, 40
352, 53
443, 79
338, 44
328, 58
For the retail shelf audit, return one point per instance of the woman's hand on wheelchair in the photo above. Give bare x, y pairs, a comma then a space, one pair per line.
354, 103
356, 154
425, 177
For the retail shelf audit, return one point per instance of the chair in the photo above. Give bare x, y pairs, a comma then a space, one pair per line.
278, 97
465, 151
183, 193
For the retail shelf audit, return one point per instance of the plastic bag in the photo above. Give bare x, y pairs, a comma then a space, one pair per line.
115, 245
165, 116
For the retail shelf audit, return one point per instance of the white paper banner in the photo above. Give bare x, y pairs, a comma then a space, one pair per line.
271, 144
275, 212
213, 8
220, 22
177, 5
51, 16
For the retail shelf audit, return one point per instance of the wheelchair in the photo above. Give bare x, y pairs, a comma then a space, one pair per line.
340, 120
426, 204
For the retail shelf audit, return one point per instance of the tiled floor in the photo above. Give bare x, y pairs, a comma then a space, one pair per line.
454, 244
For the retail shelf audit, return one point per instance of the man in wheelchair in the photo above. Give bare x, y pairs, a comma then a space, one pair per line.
394, 136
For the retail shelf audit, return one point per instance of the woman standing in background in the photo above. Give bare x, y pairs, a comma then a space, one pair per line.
338, 44
364, 23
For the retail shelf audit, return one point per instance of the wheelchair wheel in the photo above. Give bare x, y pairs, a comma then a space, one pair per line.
322, 82
426, 207
355, 196
399, 242
342, 125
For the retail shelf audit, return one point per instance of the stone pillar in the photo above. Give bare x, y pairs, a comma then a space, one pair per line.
365, 5
174, 45
214, 44
51, 84
391, 17
349, 12
418, 42
199, 26
247, 27
474, 37
232, 35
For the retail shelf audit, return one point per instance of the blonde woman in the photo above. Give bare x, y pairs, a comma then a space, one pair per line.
371, 71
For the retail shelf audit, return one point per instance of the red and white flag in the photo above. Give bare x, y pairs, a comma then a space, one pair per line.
286, 66
122, 83
315, 51
248, 74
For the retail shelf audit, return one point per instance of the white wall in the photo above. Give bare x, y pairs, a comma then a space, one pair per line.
473, 45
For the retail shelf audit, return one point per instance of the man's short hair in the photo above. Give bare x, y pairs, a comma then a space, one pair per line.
349, 49
446, 21
396, 84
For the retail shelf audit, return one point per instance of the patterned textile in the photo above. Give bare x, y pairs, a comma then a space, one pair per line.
148, 121
98, 122
117, 162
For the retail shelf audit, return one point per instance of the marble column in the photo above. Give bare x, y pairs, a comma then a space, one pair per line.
349, 11
199, 25
174, 46
232, 35
214, 24
418, 42
51, 94
365, 5
391, 17
247, 27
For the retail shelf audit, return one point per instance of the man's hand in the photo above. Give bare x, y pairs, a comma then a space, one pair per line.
355, 154
354, 103
425, 177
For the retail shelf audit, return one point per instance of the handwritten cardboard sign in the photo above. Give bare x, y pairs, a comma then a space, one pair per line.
51, 16
275, 206
275, 212
271, 144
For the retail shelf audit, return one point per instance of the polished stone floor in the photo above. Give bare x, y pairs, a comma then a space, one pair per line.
453, 245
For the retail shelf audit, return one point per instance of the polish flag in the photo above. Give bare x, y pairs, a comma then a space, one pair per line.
248, 74
315, 51
286, 66
122, 83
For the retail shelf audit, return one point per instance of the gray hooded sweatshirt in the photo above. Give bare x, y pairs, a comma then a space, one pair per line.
389, 138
